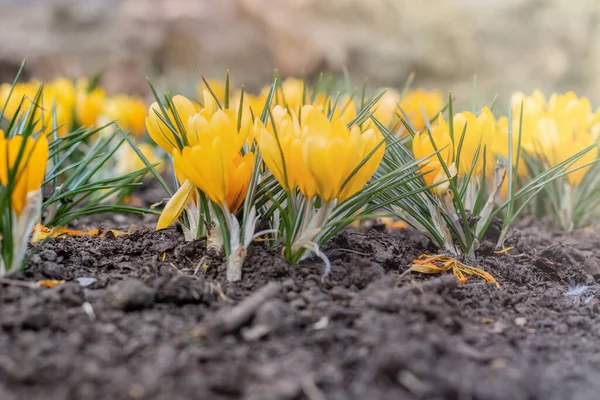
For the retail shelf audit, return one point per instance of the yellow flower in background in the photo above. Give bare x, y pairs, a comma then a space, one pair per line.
532, 105
414, 102
58, 97
71, 104
574, 178
290, 94
22, 90
89, 104
252, 107
392, 104
209, 105
162, 134
555, 129
386, 109
575, 113
127, 161
423, 148
31, 170
479, 133
218, 88
213, 162
500, 151
501, 143
558, 143
293, 93
129, 112
318, 155
344, 110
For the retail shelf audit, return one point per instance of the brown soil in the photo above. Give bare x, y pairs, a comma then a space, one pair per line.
127, 324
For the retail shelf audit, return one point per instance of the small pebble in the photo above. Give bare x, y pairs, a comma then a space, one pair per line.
85, 281
321, 323
520, 321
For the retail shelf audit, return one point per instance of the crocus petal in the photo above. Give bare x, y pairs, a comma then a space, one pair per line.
175, 206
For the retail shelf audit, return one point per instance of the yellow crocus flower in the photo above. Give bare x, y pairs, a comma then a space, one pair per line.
286, 135
414, 102
127, 161
423, 148
213, 162
217, 86
574, 178
252, 106
160, 132
23, 95
500, 150
129, 112
32, 166
345, 110
534, 104
290, 94
479, 133
392, 105
318, 155
89, 104
386, 109
58, 98
22, 90
240, 172
60, 95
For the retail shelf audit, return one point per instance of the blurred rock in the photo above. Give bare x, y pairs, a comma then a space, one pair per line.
510, 44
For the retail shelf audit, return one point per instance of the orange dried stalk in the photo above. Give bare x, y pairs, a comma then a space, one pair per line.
41, 232
50, 283
436, 264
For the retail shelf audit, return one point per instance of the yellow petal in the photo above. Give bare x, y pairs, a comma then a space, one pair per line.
175, 206
36, 164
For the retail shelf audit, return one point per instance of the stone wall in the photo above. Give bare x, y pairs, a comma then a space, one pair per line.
508, 44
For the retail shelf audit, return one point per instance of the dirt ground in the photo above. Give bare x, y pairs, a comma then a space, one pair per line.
148, 316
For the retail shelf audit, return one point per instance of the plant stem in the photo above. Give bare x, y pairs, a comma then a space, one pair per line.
235, 263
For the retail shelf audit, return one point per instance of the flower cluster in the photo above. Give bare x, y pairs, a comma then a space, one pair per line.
559, 131
58, 160
303, 160
462, 147
64, 104
415, 106
298, 152
555, 129
215, 164
478, 166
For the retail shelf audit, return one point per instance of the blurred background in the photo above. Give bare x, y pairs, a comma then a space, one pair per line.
509, 44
